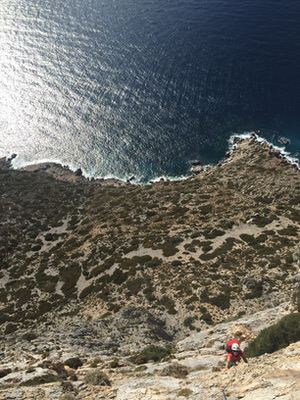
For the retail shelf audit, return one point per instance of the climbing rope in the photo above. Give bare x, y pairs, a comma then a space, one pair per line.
225, 387
224, 394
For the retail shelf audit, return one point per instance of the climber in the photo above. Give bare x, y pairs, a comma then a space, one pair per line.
235, 354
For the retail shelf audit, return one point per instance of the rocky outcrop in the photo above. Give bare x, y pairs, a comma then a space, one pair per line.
195, 369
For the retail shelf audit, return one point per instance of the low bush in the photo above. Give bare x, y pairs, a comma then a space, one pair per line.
97, 378
222, 300
151, 353
185, 392
73, 362
175, 370
276, 337
168, 303
188, 322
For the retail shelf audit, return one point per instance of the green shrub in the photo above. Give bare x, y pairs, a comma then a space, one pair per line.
206, 317
276, 337
188, 322
247, 238
134, 285
212, 234
168, 303
97, 378
222, 300
151, 353
67, 396
290, 230
176, 370
185, 392
256, 291
169, 246
119, 276
176, 263
154, 262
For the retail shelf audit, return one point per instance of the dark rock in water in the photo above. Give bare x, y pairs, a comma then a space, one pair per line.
197, 169
78, 172
237, 140
195, 163
283, 140
132, 178
5, 163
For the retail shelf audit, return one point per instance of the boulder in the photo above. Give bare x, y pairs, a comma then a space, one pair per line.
78, 172
4, 372
39, 376
73, 362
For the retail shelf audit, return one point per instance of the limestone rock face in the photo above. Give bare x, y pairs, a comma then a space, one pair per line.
195, 369
38, 376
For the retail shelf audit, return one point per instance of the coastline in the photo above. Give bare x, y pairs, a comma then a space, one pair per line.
70, 173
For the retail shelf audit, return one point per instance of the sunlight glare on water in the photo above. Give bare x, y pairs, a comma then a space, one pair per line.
125, 87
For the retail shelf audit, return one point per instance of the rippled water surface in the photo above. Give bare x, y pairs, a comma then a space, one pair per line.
122, 87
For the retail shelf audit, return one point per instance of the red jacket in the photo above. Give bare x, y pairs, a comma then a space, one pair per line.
235, 358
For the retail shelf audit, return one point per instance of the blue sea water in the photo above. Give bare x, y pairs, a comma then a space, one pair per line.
141, 87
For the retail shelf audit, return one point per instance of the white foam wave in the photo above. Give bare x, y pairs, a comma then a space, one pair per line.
248, 135
18, 163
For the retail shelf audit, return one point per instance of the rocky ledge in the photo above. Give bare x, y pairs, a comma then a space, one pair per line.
33, 369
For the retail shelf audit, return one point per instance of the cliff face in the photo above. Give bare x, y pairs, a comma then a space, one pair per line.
35, 367
172, 256
104, 268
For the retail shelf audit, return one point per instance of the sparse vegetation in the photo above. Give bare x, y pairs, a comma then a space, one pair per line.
276, 337
97, 378
151, 353
176, 370
189, 243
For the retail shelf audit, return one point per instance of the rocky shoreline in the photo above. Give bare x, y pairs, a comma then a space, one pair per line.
64, 173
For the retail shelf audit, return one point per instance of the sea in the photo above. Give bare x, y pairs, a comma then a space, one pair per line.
142, 88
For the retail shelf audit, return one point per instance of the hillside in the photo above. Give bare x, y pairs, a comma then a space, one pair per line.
194, 370
98, 267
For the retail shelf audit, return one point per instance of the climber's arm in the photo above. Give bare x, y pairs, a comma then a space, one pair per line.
244, 358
